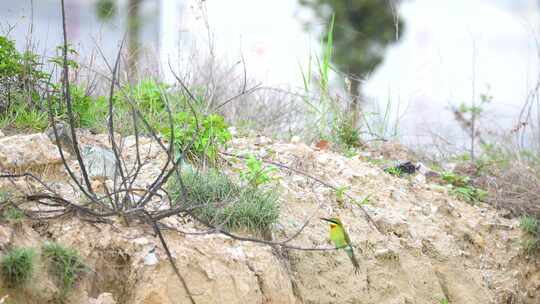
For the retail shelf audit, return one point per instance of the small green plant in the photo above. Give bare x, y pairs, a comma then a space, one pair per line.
17, 266
469, 194
13, 214
347, 135
31, 119
21, 78
365, 201
394, 171
444, 301
4, 195
462, 189
149, 96
340, 194
350, 152
455, 180
257, 174
58, 60
468, 115
65, 265
210, 133
529, 224
531, 239
217, 200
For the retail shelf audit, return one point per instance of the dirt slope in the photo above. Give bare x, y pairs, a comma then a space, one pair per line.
428, 246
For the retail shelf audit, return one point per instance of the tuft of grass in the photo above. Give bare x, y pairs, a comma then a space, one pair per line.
17, 266
4, 195
529, 225
13, 214
347, 135
65, 264
216, 199
469, 194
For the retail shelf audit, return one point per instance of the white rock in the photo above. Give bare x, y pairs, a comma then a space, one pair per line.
262, 140
20, 151
151, 259
100, 162
262, 153
420, 179
295, 139
104, 298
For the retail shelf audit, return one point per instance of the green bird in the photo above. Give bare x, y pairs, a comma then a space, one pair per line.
341, 239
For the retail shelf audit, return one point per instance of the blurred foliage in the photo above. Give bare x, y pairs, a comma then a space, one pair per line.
362, 31
20, 73
106, 9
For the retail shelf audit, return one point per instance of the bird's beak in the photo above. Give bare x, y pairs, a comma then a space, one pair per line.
325, 219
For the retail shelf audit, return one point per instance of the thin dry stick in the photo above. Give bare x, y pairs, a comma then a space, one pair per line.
320, 181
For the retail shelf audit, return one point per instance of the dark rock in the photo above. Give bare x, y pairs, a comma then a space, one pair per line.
64, 136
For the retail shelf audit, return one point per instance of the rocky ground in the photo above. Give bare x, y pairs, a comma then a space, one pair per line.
425, 246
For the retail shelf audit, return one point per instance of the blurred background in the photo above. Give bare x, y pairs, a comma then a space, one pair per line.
417, 60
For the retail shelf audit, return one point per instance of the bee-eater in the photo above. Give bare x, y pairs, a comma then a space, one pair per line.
341, 239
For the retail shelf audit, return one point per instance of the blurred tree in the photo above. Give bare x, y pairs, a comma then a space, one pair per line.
106, 9
362, 31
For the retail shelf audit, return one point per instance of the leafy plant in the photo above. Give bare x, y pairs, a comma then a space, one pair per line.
59, 58
257, 174
394, 171
21, 78
149, 96
10, 58
455, 180
529, 224
461, 188
65, 264
17, 266
217, 200
211, 133
444, 301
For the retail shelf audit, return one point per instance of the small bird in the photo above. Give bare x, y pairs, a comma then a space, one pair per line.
341, 239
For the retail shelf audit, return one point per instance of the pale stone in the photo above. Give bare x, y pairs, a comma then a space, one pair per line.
22, 151
100, 162
104, 298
